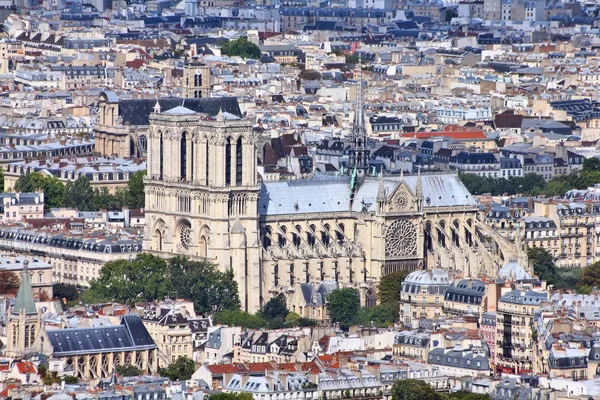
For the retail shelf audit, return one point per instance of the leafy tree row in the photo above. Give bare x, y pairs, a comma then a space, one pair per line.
273, 315
241, 47
414, 389
344, 304
534, 185
148, 278
545, 269
80, 194
582, 280
181, 370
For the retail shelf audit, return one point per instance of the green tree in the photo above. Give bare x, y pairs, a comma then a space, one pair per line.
241, 47
9, 282
71, 380
180, 370
591, 164
128, 370
34, 181
413, 389
65, 291
292, 319
590, 276
343, 306
567, 278
79, 194
451, 13
389, 287
211, 290
274, 311
381, 315
465, 395
543, 264
103, 200
231, 396
135, 197
352, 59
146, 278
310, 75
307, 322
240, 318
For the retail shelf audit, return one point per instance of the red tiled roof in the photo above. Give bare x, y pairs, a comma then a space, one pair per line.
226, 368
135, 63
260, 366
310, 367
26, 367
451, 134
4, 393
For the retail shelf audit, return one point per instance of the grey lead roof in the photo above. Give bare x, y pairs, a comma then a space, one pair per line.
328, 193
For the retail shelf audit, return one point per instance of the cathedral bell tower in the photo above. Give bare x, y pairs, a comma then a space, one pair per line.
202, 192
24, 321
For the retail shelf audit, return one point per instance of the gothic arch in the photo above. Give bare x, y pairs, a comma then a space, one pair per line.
132, 146
267, 237
159, 239
441, 233
340, 234
428, 237
203, 246
142, 143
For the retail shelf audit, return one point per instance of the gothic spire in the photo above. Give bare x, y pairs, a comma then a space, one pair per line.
419, 189
358, 129
24, 302
359, 153
381, 189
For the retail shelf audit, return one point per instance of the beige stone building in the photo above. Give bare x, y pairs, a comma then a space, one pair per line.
515, 322
422, 295
169, 327
204, 201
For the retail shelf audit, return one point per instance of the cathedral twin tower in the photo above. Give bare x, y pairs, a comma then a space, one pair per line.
202, 192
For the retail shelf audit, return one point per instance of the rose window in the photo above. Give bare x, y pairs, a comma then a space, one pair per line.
185, 235
401, 239
401, 201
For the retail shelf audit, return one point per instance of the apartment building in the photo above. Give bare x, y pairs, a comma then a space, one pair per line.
169, 326
15, 207
422, 295
465, 297
515, 315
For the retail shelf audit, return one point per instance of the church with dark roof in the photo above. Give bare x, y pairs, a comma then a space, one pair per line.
89, 353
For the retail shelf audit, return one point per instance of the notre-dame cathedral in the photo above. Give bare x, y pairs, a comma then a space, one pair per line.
205, 200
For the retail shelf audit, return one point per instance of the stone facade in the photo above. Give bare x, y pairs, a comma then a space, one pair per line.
203, 200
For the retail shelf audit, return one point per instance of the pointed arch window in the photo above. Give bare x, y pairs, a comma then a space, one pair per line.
238, 162
228, 162
26, 336
161, 155
183, 157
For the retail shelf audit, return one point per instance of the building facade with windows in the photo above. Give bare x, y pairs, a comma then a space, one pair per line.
204, 200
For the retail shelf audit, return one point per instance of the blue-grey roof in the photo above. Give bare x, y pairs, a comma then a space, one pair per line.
315, 294
130, 335
528, 297
459, 359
